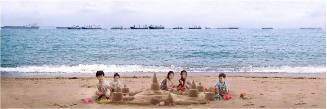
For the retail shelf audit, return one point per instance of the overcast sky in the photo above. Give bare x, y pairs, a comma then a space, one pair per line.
214, 13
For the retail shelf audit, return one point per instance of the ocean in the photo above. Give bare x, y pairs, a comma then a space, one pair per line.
62, 51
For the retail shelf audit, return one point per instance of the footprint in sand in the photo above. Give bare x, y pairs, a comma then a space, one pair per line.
251, 104
262, 106
301, 103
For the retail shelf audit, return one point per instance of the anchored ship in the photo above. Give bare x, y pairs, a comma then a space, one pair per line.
266, 28
178, 28
156, 27
85, 27
229, 28
195, 27
29, 26
139, 27
62, 27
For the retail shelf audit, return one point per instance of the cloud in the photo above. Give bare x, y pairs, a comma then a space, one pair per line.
243, 13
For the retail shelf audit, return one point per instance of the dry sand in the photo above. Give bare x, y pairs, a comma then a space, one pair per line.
266, 92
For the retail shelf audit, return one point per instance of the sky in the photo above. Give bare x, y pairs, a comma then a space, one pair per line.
211, 13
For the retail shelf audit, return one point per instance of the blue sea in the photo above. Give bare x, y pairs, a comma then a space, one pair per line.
61, 51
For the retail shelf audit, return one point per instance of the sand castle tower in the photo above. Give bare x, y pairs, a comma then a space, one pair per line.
125, 90
117, 95
169, 101
200, 87
155, 84
209, 96
193, 92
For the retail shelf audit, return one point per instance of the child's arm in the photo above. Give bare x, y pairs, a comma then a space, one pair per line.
217, 88
227, 87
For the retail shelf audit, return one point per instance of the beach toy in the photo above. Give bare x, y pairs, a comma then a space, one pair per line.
242, 95
218, 97
87, 100
226, 97
102, 101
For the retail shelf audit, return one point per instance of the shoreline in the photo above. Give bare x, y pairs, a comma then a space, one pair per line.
149, 74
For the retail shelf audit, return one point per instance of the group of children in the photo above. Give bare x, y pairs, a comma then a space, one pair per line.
105, 88
221, 87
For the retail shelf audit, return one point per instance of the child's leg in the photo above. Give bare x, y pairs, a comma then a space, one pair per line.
99, 94
108, 94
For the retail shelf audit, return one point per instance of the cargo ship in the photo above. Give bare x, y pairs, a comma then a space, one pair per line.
85, 27
310, 28
62, 27
266, 28
139, 27
195, 27
21, 27
178, 28
229, 28
156, 27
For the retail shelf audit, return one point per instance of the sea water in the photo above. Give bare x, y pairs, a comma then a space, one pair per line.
61, 51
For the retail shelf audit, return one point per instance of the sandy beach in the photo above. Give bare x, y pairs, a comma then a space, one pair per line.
265, 91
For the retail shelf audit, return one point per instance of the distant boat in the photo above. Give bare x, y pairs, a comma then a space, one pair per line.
21, 27
310, 28
74, 27
117, 28
229, 28
156, 27
62, 27
85, 27
266, 28
139, 27
178, 28
195, 27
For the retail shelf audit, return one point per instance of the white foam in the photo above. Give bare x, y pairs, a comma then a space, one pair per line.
84, 68
288, 69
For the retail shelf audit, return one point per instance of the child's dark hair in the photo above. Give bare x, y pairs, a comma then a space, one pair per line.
170, 72
222, 75
183, 71
116, 74
99, 73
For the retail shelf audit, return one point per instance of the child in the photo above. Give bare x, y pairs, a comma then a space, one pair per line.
222, 85
168, 84
102, 86
183, 83
115, 84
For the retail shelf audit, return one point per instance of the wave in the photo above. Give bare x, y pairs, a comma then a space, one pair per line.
85, 68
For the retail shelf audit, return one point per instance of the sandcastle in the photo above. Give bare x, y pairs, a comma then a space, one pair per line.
125, 90
193, 91
155, 96
117, 95
200, 87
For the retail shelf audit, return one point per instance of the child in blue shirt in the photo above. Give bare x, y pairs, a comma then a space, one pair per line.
222, 85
